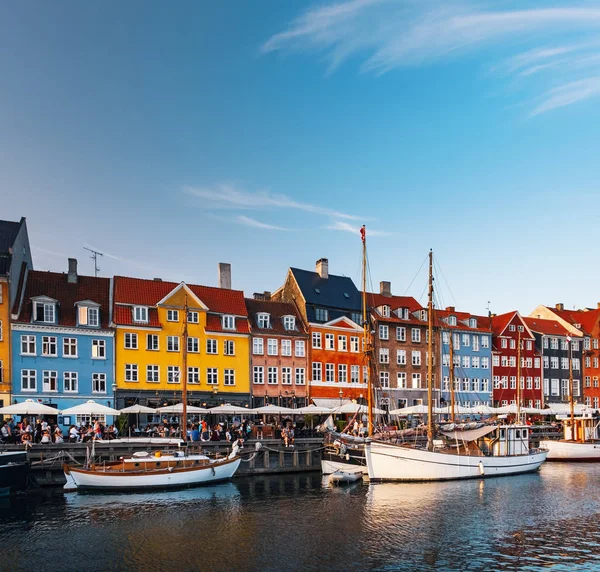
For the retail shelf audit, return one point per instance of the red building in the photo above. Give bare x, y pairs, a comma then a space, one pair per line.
508, 331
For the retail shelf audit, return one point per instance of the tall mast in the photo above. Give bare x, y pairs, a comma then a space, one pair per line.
452, 396
571, 402
366, 337
430, 357
519, 378
184, 390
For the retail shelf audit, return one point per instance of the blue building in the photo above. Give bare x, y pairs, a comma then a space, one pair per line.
62, 346
472, 355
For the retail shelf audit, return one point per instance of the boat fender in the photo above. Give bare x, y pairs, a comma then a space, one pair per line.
258, 446
171, 469
481, 468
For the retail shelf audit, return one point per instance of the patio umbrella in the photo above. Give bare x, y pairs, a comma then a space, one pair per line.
227, 409
90, 407
459, 409
178, 408
350, 408
412, 410
484, 410
28, 407
312, 409
137, 409
272, 409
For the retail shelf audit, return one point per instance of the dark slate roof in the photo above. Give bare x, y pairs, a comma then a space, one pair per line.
8, 235
277, 310
335, 292
57, 286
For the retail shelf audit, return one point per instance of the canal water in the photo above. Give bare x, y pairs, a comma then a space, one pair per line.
544, 521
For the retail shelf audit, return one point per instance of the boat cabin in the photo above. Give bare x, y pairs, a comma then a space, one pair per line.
510, 440
586, 428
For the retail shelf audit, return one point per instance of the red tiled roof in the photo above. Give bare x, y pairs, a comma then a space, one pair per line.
145, 292
546, 327
276, 310
500, 322
55, 285
214, 324
586, 318
123, 316
462, 320
394, 302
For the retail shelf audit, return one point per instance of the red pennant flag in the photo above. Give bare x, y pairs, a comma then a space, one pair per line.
363, 233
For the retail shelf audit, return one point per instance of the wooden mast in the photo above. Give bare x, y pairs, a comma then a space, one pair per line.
430, 357
184, 389
571, 401
452, 396
519, 378
366, 337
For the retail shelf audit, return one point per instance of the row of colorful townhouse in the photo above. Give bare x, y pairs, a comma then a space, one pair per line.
67, 338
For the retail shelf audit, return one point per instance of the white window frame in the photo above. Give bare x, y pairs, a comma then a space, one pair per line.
30, 341
47, 377
173, 344
100, 346
131, 373
69, 345
99, 380
70, 382
140, 314
258, 346
172, 315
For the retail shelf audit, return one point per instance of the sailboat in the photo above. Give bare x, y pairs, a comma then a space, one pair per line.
145, 470
580, 440
500, 450
345, 453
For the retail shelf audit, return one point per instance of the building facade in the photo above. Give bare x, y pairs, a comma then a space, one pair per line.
156, 343
509, 330
587, 323
279, 362
15, 261
552, 342
400, 345
331, 308
471, 338
62, 345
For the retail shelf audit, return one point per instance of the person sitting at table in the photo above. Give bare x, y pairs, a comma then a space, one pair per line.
58, 436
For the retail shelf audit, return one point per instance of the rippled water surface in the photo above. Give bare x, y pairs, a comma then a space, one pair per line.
549, 520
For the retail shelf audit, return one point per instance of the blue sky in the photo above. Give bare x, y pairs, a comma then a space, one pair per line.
172, 137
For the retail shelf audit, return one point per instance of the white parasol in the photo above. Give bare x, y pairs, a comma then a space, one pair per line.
412, 410
312, 409
28, 407
273, 410
178, 408
137, 409
227, 409
350, 408
90, 407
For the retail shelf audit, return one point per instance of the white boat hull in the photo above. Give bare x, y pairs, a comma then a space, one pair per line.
142, 480
572, 451
345, 477
389, 462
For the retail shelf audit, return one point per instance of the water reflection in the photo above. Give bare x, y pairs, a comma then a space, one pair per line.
299, 522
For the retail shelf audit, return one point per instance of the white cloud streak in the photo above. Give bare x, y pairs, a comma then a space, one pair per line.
347, 227
390, 34
568, 94
228, 196
247, 221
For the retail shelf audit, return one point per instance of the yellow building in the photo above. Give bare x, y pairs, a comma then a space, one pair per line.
153, 352
4, 343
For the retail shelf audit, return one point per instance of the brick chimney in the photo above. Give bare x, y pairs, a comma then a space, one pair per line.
560, 306
450, 309
385, 288
264, 296
323, 268
225, 275
72, 276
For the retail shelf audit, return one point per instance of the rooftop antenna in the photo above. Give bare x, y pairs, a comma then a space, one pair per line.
488, 309
94, 257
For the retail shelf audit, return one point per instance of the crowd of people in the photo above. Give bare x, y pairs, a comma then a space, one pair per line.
40, 431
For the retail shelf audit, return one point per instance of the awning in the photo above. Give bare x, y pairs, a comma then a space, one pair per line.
330, 403
469, 434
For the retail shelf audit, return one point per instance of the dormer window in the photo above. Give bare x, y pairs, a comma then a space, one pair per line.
289, 323
88, 314
321, 314
403, 313
424, 315
385, 311
452, 320
472, 322
264, 320
228, 322
44, 310
140, 314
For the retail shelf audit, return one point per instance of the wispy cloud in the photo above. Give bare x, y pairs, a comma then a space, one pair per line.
247, 221
347, 227
568, 94
229, 196
389, 34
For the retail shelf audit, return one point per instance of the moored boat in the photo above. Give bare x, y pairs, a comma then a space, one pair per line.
143, 471
343, 453
345, 477
581, 445
14, 470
